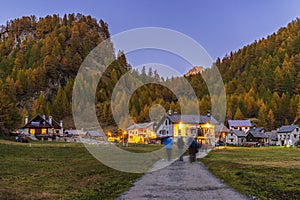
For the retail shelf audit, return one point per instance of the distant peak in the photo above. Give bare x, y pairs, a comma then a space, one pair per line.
195, 70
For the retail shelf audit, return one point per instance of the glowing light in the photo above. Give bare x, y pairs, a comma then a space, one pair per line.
180, 125
207, 125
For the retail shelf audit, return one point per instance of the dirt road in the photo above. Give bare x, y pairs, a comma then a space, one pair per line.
181, 180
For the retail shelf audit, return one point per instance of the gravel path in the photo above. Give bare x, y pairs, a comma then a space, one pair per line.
181, 180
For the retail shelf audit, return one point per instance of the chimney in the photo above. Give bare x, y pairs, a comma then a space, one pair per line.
208, 113
44, 117
61, 123
26, 119
50, 120
170, 112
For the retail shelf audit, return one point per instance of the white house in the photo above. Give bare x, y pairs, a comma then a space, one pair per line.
288, 135
141, 133
202, 126
236, 137
242, 125
273, 137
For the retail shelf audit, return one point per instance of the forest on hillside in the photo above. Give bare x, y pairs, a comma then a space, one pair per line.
263, 79
39, 60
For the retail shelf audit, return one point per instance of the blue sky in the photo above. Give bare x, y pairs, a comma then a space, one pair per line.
219, 26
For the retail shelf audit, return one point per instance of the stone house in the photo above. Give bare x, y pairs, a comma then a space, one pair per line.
236, 137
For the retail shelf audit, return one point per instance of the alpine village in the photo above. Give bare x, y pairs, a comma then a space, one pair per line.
39, 60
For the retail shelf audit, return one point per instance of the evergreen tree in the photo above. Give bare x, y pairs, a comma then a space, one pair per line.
238, 114
270, 120
262, 115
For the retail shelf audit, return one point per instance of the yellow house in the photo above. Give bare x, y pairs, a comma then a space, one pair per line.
202, 126
141, 133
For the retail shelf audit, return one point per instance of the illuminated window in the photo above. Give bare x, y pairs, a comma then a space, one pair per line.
32, 131
44, 131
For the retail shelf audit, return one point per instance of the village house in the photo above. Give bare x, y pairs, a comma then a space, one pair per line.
75, 133
288, 135
202, 126
236, 137
242, 125
273, 137
221, 132
95, 135
142, 132
43, 128
257, 136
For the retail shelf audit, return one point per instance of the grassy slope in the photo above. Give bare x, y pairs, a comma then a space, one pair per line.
58, 171
268, 173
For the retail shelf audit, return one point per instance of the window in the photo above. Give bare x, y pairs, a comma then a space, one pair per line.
242, 140
231, 140
295, 136
162, 132
166, 122
240, 128
44, 131
32, 131
231, 134
193, 131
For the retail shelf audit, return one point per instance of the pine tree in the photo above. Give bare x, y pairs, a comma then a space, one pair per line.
238, 114
262, 115
270, 120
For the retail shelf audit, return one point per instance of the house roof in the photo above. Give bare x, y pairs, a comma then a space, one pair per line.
191, 119
221, 128
257, 134
149, 125
55, 124
238, 133
39, 122
287, 129
75, 132
272, 135
95, 133
239, 123
256, 130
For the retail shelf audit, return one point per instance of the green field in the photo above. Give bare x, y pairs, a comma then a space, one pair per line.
266, 172
51, 170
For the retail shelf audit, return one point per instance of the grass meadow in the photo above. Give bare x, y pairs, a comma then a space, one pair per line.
265, 172
49, 170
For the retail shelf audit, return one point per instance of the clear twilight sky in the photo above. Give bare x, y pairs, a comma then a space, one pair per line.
219, 26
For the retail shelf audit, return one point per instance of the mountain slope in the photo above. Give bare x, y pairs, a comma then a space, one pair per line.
39, 59
263, 79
